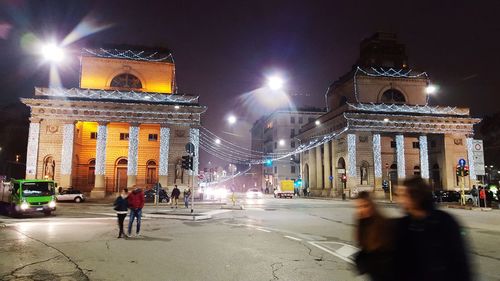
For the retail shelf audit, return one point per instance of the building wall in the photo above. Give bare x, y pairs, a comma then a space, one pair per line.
370, 89
97, 73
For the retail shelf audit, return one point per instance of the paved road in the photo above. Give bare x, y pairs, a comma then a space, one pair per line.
271, 239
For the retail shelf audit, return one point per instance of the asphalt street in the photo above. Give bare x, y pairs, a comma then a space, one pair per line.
270, 239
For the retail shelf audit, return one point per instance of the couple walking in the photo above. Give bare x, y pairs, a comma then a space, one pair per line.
133, 201
425, 244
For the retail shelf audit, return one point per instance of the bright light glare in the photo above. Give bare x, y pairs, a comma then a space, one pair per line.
386, 120
52, 52
177, 107
275, 82
317, 122
282, 142
231, 119
217, 141
431, 89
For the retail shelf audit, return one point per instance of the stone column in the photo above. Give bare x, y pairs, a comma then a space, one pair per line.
470, 157
326, 163
352, 171
311, 159
424, 157
377, 160
99, 190
319, 167
32, 150
400, 156
67, 154
194, 138
164, 150
133, 152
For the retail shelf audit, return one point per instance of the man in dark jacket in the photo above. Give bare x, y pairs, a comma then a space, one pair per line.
429, 244
175, 196
121, 206
135, 203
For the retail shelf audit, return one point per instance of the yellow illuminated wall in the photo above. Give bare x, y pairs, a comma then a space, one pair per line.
97, 73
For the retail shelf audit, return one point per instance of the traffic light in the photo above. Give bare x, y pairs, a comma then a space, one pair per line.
459, 171
298, 182
344, 178
466, 170
268, 163
190, 163
186, 162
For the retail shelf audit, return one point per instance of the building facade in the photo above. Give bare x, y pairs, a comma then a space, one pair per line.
124, 125
277, 133
379, 126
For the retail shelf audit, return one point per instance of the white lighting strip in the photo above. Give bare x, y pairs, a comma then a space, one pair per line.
67, 149
377, 156
194, 138
470, 156
424, 157
133, 149
164, 150
400, 156
32, 157
100, 161
351, 155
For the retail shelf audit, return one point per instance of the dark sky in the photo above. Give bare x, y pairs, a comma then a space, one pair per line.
224, 49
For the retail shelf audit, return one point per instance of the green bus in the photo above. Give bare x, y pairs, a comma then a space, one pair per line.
28, 196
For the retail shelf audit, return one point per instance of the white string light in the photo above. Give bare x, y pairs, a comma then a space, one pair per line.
424, 157
67, 149
32, 153
128, 54
133, 149
404, 108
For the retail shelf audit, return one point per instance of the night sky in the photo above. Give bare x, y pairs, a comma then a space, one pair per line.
224, 49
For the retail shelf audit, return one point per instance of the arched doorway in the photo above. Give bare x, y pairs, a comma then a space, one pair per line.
435, 177
416, 170
49, 167
340, 171
364, 173
121, 174
91, 174
151, 172
306, 176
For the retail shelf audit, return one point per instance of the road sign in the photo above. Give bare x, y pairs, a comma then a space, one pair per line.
330, 177
461, 162
190, 148
478, 153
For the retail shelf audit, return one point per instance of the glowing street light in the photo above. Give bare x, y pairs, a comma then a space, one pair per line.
275, 82
53, 53
317, 122
231, 119
281, 142
386, 120
217, 141
177, 107
431, 89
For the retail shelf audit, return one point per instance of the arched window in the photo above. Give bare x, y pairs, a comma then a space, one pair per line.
392, 96
49, 166
91, 173
122, 162
363, 172
151, 172
126, 80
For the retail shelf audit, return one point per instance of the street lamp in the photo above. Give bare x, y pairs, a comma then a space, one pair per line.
52, 53
217, 141
281, 142
231, 119
431, 89
317, 122
275, 82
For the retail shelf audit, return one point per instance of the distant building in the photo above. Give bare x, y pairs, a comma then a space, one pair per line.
379, 126
124, 125
276, 133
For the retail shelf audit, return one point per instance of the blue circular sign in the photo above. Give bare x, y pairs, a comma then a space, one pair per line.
461, 162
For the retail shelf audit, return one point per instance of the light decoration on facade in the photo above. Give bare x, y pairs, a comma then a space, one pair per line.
404, 108
424, 157
164, 150
470, 157
32, 153
377, 156
129, 54
400, 156
194, 138
100, 161
351, 155
67, 149
95, 94
133, 149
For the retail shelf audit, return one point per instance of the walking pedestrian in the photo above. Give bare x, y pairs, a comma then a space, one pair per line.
428, 243
374, 236
474, 194
482, 197
135, 203
187, 194
121, 206
175, 196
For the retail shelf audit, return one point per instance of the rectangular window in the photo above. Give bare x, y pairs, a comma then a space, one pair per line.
123, 136
416, 145
301, 120
433, 144
292, 133
275, 169
93, 135
275, 145
292, 120
292, 169
393, 144
292, 144
153, 137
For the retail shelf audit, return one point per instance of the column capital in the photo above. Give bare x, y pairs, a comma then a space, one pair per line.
102, 123
134, 124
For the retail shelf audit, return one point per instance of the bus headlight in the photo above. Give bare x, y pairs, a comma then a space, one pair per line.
24, 206
52, 204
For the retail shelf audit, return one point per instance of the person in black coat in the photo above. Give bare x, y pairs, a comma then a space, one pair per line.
428, 242
121, 208
175, 196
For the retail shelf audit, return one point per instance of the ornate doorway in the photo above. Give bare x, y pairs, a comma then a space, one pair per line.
121, 174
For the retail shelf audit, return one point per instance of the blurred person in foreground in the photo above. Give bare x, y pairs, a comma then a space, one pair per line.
374, 235
428, 243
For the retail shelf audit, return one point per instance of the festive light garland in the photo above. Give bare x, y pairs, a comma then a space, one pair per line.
400, 156
194, 138
133, 149
96, 94
351, 155
128, 54
32, 153
424, 157
164, 150
470, 157
100, 161
404, 108
67, 149
377, 155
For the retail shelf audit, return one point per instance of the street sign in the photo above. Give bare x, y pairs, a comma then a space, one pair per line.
478, 153
461, 162
330, 177
190, 148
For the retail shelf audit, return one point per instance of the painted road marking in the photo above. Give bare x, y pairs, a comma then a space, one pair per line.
265, 230
344, 252
293, 238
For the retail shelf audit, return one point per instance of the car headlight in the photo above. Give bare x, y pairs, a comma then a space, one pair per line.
52, 204
24, 206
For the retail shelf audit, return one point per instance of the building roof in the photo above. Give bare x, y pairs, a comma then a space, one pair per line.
130, 52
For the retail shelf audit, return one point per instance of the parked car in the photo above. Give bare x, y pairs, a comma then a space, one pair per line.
468, 197
71, 195
253, 193
446, 196
149, 195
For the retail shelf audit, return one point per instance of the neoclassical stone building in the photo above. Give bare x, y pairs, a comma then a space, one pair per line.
384, 128
124, 125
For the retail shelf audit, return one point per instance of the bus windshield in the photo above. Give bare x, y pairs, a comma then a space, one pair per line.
32, 189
